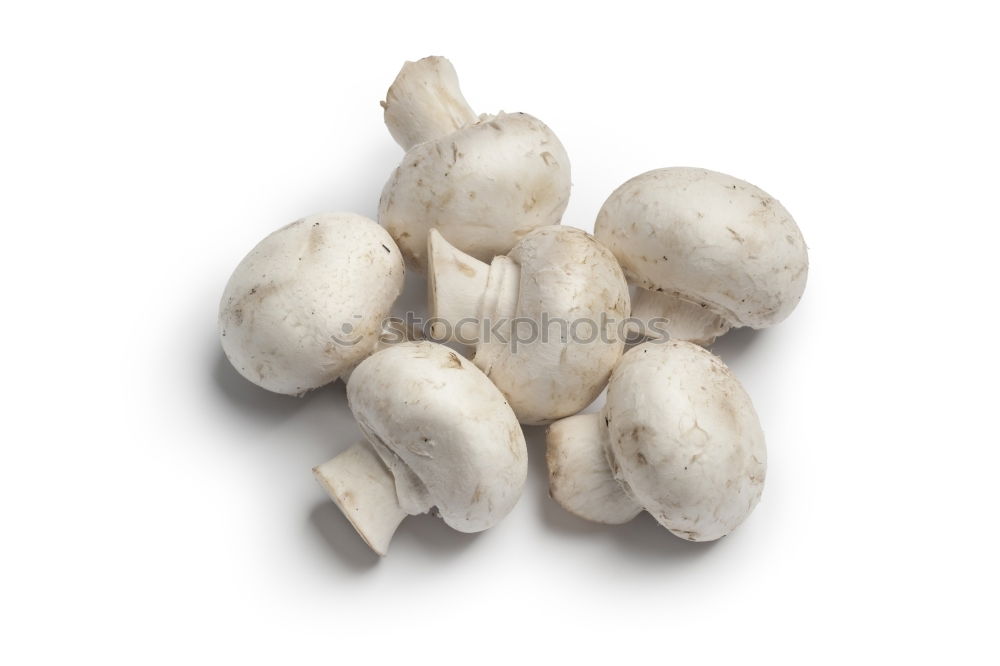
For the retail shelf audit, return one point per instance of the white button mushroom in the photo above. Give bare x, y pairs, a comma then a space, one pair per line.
708, 251
547, 320
483, 183
438, 434
308, 303
678, 437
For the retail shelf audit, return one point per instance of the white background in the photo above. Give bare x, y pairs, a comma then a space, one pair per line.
159, 509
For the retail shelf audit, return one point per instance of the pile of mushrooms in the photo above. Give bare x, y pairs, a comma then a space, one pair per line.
529, 322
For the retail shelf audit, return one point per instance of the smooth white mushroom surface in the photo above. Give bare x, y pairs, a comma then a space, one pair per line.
482, 182
308, 303
678, 437
438, 434
708, 251
546, 320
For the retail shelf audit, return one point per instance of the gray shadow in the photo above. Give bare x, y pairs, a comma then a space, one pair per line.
413, 297
430, 533
646, 539
734, 344
337, 532
248, 398
359, 188
426, 533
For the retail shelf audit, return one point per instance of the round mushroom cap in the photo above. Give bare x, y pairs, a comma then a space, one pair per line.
309, 301
684, 439
567, 332
483, 187
711, 239
444, 430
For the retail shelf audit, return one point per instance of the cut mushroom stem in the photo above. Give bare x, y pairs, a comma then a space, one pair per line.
580, 473
363, 488
467, 295
424, 103
662, 314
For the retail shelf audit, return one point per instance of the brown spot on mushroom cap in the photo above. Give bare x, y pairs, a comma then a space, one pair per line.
316, 239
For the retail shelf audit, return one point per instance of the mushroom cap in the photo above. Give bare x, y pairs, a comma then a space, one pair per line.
483, 187
710, 239
444, 430
309, 301
684, 439
565, 276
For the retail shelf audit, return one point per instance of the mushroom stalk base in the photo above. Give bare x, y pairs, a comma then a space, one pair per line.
425, 103
467, 297
668, 315
580, 478
365, 491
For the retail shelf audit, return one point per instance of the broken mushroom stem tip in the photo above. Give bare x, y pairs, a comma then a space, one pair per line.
425, 103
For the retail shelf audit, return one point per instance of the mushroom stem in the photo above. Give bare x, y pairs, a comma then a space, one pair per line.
365, 491
678, 318
467, 296
580, 478
425, 103
456, 284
